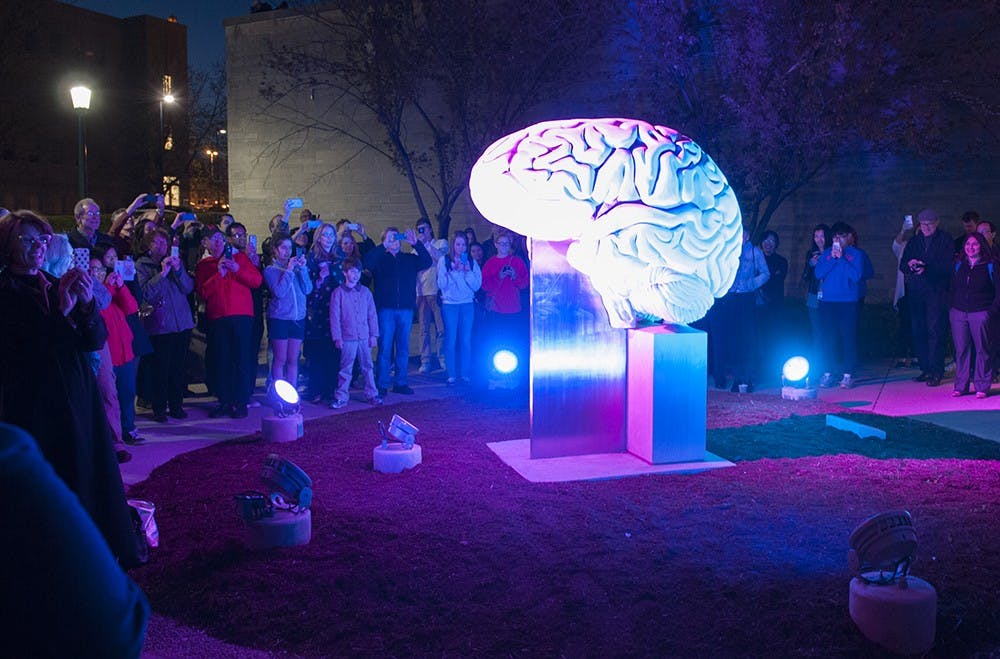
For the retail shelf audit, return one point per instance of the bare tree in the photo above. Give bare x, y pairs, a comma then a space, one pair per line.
441, 80
776, 90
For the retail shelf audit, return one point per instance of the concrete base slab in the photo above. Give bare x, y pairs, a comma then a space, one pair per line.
598, 466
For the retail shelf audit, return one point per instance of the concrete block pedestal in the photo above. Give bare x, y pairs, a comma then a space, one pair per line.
395, 458
284, 529
282, 428
899, 617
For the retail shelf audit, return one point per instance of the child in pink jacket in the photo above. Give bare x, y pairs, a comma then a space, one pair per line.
354, 330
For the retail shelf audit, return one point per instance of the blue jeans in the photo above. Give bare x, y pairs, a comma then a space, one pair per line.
125, 384
458, 326
394, 332
840, 326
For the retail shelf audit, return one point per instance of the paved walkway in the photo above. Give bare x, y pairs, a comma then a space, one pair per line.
166, 440
883, 389
880, 389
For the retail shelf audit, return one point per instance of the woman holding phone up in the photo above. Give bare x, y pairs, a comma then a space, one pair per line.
322, 357
458, 279
287, 279
165, 286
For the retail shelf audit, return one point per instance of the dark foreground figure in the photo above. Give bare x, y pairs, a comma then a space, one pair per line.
63, 594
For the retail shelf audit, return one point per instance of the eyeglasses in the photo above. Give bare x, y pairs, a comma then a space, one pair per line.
93, 213
504, 243
30, 241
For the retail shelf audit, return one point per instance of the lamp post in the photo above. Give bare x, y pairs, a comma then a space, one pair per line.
81, 103
167, 98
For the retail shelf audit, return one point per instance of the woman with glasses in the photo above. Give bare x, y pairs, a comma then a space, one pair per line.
47, 386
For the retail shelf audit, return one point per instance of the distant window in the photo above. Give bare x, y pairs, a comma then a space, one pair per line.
168, 85
168, 143
172, 194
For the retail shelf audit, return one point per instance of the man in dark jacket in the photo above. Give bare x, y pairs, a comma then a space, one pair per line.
88, 219
395, 276
927, 265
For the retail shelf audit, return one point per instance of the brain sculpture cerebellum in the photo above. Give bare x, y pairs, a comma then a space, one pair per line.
651, 219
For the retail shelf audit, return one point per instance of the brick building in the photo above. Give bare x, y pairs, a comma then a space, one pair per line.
129, 64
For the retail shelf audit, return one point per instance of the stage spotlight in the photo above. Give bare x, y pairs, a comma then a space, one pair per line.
505, 362
795, 379
890, 607
283, 398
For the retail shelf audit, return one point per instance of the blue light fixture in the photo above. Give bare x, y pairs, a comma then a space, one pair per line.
795, 379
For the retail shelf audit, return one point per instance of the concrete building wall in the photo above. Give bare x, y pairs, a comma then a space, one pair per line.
271, 159
269, 162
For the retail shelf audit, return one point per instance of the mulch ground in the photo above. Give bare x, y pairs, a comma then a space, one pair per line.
462, 557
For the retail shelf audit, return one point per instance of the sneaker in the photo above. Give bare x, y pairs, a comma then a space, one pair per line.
337, 404
847, 381
465, 380
160, 417
956, 393
142, 403
402, 389
374, 400
981, 394
424, 369
450, 382
122, 456
239, 412
933, 380
254, 403
826, 381
133, 438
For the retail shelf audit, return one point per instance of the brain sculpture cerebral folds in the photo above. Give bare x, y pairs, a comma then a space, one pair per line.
651, 219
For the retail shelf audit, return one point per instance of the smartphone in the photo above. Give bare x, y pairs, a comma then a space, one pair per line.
400, 236
464, 258
300, 250
908, 222
125, 269
253, 241
175, 251
81, 259
294, 202
227, 251
187, 217
353, 226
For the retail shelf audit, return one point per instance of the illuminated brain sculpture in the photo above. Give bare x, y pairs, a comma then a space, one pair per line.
652, 219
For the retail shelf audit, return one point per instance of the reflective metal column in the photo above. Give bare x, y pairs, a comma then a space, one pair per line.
578, 377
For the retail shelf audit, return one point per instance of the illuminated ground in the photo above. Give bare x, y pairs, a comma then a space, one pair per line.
461, 557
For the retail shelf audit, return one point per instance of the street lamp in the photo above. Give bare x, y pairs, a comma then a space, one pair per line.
81, 103
167, 98
211, 153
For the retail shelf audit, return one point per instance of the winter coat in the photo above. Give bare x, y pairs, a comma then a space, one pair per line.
167, 296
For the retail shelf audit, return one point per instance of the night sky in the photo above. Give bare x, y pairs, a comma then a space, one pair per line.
203, 18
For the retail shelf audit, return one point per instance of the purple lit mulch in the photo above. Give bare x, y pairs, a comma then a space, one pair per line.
461, 557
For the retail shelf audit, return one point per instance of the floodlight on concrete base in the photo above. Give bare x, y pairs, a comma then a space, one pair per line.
890, 607
398, 450
286, 424
795, 380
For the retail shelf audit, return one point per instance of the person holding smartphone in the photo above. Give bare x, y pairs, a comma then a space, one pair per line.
458, 278
225, 280
429, 312
165, 285
289, 283
840, 269
926, 265
395, 275
322, 356
504, 277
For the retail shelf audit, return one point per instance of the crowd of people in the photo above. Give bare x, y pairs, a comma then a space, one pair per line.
326, 295
943, 284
